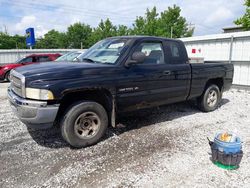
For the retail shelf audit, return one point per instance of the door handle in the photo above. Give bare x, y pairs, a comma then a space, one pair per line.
167, 72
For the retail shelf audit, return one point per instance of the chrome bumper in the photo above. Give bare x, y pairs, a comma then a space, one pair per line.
35, 114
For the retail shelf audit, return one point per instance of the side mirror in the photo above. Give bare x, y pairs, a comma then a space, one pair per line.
136, 58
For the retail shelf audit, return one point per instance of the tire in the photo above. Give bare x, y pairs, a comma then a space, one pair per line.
210, 99
84, 124
7, 76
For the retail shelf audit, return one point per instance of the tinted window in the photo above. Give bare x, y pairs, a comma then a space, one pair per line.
43, 58
175, 52
153, 51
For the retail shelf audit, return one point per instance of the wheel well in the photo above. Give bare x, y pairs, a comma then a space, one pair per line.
217, 81
101, 96
8, 71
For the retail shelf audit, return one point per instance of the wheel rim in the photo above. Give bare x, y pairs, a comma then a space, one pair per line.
212, 98
87, 125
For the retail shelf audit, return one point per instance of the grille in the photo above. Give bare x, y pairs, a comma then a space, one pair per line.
17, 83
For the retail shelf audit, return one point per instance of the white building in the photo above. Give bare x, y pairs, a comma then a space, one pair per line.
227, 47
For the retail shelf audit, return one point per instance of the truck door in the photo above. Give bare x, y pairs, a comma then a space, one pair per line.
156, 81
179, 79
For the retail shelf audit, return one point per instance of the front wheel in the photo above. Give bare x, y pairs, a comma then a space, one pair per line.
210, 99
84, 124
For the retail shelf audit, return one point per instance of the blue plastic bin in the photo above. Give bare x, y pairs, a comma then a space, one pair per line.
227, 147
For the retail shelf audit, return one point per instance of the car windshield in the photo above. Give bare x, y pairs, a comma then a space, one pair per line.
70, 56
105, 51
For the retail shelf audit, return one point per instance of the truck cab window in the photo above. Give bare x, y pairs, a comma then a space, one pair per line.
174, 52
153, 51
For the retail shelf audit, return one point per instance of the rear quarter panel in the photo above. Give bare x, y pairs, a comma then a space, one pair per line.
201, 73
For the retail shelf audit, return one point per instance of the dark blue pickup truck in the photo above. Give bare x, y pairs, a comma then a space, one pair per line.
116, 75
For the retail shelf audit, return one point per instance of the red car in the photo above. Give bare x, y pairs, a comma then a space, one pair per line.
34, 58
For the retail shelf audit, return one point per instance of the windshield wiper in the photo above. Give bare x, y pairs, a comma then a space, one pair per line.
89, 60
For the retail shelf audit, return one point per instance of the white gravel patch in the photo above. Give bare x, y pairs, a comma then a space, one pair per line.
3, 90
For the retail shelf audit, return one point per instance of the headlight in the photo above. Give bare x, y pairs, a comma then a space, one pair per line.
39, 94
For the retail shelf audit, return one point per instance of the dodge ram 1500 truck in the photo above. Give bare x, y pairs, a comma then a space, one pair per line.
115, 75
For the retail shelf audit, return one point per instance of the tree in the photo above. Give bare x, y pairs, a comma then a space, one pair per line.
52, 39
245, 19
11, 42
103, 30
147, 25
123, 30
77, 34
169, 20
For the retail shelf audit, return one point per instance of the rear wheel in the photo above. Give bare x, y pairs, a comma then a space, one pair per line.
210, 99
84, 124
7, 76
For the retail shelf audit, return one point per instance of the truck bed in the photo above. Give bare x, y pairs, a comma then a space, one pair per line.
201, 73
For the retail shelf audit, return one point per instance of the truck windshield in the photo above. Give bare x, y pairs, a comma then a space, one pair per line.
105, 51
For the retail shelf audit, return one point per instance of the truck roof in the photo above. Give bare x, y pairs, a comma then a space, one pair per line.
135, 37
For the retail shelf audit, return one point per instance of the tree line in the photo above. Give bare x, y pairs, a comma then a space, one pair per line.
80, 35
244, 21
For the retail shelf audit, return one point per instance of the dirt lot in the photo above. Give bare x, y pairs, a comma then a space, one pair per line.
164, 147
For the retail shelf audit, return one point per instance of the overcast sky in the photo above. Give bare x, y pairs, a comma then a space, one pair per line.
208, 16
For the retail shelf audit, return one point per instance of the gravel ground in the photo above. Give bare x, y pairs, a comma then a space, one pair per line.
163, 147
3, 90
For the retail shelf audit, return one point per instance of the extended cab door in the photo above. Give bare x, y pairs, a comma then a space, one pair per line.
179, 79
158, 80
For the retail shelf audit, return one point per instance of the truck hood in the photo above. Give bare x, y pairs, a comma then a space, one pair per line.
59, 70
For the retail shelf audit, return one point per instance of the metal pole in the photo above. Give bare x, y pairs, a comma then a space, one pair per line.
171, 32
231, 49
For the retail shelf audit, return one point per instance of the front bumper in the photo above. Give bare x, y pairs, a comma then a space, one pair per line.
35, 114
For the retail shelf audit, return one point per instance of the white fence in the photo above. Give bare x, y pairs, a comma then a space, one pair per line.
227, 47
10, 56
